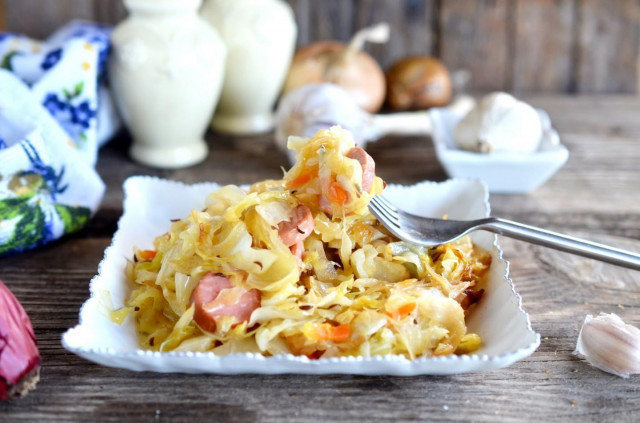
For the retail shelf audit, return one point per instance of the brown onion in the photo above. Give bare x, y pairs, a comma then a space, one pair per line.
345, 65
19, 355
418, 82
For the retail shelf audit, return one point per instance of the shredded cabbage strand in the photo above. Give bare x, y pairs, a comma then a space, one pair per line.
354, 290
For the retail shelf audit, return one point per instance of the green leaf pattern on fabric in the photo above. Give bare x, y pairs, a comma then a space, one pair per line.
74, 218
30, 214
6, 60
30, 225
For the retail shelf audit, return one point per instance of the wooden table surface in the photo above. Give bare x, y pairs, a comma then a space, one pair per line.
595, 195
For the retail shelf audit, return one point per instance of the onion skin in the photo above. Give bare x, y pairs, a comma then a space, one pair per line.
19, 355
418, 82
331, 61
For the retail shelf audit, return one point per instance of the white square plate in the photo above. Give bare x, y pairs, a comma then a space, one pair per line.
149, 205
504, 173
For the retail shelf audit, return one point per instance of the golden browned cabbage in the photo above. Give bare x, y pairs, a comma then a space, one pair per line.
300, 266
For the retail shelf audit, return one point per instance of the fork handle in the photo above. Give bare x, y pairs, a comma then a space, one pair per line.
561, 242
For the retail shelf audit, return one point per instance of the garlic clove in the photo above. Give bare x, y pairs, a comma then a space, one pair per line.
500, 123
610, 344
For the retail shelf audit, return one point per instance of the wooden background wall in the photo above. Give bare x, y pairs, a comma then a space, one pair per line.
564, 46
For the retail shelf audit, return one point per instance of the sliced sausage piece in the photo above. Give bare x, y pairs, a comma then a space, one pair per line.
297, 249
234, 302
298, 227
367, 164
215, 296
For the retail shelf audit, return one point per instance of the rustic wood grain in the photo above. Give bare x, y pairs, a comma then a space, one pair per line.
301, 9
412, 25
38, 19
594, 196
3, 20
585, 46
608, 46
331, 20
475, 35
544, 39
108, 11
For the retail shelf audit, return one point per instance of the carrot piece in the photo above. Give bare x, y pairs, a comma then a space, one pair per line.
337, 194
402, 311
327, 332
307, 174
406, 309
147, 254
339, 333
300, 180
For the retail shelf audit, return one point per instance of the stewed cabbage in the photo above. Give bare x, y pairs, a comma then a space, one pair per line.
347, 288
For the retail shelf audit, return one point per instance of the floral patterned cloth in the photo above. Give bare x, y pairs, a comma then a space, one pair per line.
67, 74
54, 108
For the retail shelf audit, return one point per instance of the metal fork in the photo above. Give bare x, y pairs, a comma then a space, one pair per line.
430, 232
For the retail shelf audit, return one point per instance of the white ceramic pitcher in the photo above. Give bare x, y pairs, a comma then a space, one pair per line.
166, 70
260, 36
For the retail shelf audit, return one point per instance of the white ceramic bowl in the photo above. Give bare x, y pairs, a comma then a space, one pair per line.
504, 173
498, 318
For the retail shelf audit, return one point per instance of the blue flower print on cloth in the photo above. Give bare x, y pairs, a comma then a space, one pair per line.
29, 212
51, 59
75, 117
53, 104
97, 35
47, 188
82, 114
67, 72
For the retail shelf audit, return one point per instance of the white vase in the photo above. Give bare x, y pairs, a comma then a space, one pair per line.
260, 36
166, 71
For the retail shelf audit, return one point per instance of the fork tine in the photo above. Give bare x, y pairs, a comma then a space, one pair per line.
385, 203
377, 212
386, 207
383, 214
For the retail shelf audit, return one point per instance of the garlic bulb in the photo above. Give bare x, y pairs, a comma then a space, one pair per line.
304, 111
312, 107
499, 123
610, 344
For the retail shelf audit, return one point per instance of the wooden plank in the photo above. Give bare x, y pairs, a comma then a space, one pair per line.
597, 114
331, 20
475, 35
302, 12
3, 21
108, 11
71, 388
588, 46
412, 27
593, 196
38, 19
542, 60
601, 133
607, 46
